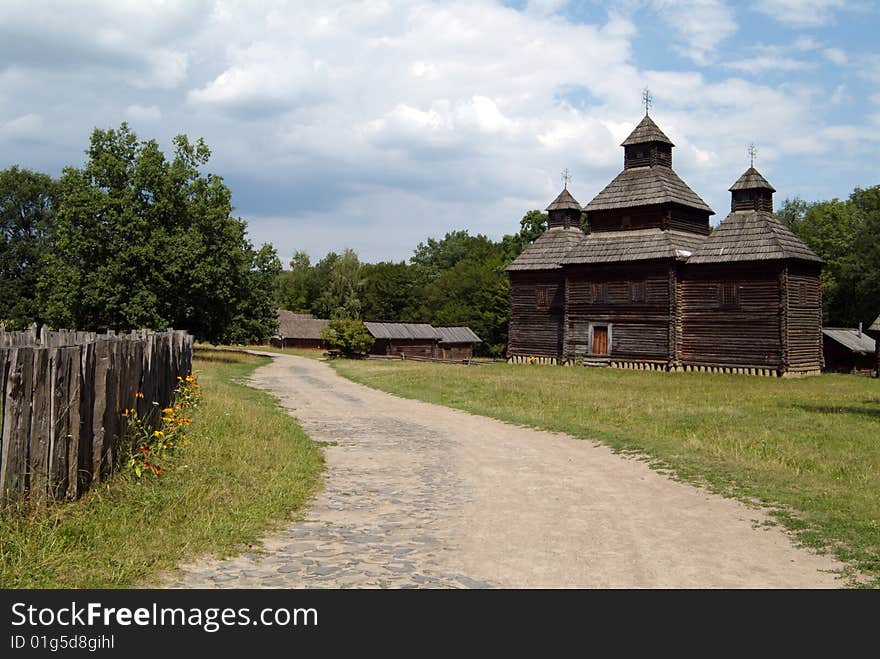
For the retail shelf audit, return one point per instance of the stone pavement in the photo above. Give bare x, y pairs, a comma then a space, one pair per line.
421, 496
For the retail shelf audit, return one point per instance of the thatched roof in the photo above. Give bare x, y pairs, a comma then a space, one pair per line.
401, 330
548, 250
299, 325
646, 131
646, 186
634, 245
752, 236
565, 201
852, 339
751, 180
457, 335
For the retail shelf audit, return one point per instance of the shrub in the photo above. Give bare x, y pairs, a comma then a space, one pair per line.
349, 336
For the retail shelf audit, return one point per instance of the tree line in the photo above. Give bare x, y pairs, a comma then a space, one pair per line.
846, 234
132, 240
459, 279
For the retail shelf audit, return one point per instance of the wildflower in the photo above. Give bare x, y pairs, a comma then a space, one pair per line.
168, 410
138, 394
125, 412
157, 469
159, 434
146, 450
190, 378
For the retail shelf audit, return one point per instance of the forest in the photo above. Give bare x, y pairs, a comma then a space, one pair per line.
134, 239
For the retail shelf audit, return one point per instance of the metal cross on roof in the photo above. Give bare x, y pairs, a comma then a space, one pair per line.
566, 177
647, 99
752, 153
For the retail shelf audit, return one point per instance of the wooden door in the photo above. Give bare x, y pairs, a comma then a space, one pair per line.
600, 340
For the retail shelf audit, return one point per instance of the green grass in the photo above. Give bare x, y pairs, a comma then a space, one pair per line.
810, 448
248, 467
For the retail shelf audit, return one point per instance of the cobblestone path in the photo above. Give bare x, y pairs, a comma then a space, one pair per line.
418, 495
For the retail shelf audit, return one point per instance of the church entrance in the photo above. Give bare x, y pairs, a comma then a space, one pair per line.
599, 340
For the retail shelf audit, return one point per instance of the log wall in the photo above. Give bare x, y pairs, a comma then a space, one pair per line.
406, 347
640, 330
804, 318
60, 423
535, 331
747, 335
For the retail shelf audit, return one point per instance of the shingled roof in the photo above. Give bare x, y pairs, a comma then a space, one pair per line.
875, 326
401, 330
752, 236
564, 201
751, 180
634, 245
548, 250
299, 325
646, 131
457, 335
851, 339
645, 186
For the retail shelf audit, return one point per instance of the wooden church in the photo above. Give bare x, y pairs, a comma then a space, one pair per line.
652, 286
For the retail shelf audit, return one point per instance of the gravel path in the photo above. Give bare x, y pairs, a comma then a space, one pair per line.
417, 495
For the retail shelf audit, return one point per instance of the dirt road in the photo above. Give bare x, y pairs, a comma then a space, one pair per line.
418, 495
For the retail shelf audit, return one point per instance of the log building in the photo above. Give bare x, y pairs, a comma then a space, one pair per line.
651, 286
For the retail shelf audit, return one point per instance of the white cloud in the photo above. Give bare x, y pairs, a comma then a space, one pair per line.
379, 124
836, 56
703, 24
800, 13
764, 63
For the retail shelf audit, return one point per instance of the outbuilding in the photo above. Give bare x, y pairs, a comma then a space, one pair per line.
403, 339
849, 351
456, 342
298, 330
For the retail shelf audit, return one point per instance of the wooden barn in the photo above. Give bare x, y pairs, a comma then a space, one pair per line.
404, 339
849, 351
298, 330
456, 343
650, 287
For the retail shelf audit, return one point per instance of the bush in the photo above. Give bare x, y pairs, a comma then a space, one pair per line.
349, 336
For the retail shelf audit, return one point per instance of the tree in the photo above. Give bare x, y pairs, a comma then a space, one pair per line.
295, 286
341, 295
532, 225
348, 335
141, 241
27, 206
389, 291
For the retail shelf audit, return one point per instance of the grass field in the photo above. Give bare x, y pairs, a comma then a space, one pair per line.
810, 447
248, 465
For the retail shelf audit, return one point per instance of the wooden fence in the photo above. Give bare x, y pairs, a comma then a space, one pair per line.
61, 427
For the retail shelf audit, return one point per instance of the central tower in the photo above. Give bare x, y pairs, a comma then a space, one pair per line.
648, 194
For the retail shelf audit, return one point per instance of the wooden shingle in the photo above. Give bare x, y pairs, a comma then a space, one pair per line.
547, 251
646, 186
752, 236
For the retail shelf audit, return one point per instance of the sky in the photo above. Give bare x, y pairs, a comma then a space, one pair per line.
375, 125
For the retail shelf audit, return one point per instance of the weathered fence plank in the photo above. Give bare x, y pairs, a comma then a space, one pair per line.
61, 422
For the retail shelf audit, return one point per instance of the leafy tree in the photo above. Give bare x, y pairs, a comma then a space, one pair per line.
436, 256
27, 206
389, 291
348, 335
296, 286
344, 283
532, 225
141, 241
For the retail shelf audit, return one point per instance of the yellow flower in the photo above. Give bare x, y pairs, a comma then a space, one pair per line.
159, 433
168, 410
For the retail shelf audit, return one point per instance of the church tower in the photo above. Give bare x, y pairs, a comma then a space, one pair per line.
648, 193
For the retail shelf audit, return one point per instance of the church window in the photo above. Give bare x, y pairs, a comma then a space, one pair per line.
637, 291
542, 298
728, 295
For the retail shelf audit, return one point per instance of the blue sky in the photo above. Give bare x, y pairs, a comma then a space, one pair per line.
374, 125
